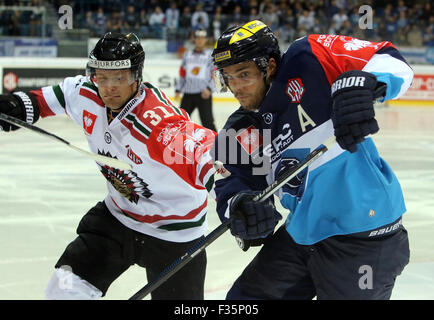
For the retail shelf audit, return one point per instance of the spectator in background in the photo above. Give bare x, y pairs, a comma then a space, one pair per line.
89, 23
401, 7
287, 26
427, 12
114, 24
144, 23
200, 24
354, 17
253, 14
100, 22
346, 28
36, 19
306, 21
372, 33
14, 24
237, 16
157, 22
401, 36
428, 36
199, 18
185, 23
301, 31
414, 36
217, 22
131, 20
24, 25
323, 21
298, 10
172, 18
270, 17
209, 6
332, 28
414, 13
402, 21
263, 6
332, 9
253, 4
339, 18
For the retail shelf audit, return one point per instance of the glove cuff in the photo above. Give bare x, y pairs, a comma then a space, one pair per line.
29, 106
353, 79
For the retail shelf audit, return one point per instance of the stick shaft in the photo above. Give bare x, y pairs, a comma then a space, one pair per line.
112, 162
216, 233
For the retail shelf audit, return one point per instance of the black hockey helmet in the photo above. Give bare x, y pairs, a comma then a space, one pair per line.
252, 41
116, 51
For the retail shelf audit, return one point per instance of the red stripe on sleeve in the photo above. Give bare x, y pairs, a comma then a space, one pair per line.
182, 72
205, 169
44, 109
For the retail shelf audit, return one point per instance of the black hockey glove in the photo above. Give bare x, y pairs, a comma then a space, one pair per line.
19, 105
252, 221
353, 115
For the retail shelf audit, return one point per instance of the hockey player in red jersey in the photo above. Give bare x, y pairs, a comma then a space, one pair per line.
153, 213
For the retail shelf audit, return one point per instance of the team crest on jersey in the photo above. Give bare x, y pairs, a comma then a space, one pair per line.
290, 158
127, 183
195, 71
356, 44
133, 156
250, 139
295, 90
88, 122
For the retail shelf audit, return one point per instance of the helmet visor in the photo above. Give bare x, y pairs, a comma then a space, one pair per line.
112, 78
110, 73
242, 74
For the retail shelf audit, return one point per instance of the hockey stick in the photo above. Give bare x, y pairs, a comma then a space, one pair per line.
211, 237
112, 162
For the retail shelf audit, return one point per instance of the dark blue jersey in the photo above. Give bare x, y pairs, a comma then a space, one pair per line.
340, 193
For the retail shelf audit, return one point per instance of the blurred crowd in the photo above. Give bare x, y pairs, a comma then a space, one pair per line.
406, 23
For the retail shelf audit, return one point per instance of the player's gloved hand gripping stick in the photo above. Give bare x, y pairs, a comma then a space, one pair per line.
112, 162
206, 241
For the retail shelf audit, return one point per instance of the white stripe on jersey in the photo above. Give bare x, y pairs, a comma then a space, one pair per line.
385, 63
52, 101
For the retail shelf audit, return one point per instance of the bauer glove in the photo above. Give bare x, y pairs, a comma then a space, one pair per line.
353, 115
252, 221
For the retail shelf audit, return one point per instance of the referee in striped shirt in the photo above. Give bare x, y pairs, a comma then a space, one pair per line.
196, 80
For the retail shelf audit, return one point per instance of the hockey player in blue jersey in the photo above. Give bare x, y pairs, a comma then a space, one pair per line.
343, 237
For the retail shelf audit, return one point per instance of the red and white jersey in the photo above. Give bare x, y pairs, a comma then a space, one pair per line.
165, 194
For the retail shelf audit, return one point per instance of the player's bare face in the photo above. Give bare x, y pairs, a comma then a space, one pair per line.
115, 87
246, 83
200, 42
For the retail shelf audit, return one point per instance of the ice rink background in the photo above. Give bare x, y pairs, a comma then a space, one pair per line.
45, 189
